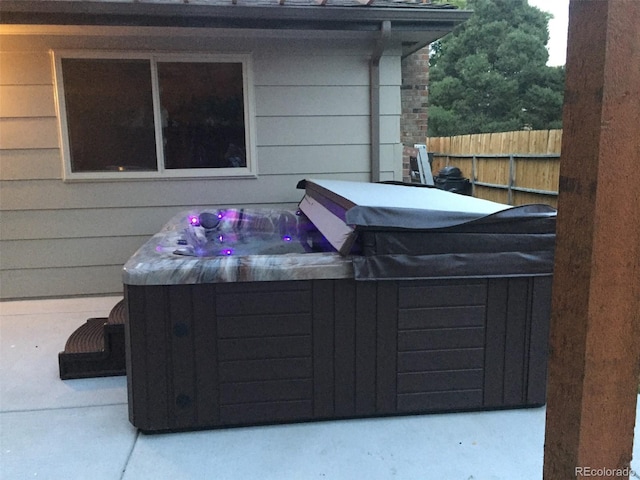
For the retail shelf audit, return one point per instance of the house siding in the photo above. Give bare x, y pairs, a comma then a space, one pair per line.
72, 238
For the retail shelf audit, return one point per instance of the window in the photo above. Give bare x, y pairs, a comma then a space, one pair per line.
154, 115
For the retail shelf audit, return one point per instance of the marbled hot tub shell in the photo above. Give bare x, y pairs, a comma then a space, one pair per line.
247, 245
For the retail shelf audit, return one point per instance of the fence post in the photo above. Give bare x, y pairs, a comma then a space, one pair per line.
474, 175
512, 173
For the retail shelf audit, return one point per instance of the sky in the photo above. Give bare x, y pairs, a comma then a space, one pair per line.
558, 25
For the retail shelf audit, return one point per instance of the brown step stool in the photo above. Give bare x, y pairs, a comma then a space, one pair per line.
96, 348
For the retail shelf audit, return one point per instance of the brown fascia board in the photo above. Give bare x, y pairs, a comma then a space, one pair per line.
258, 16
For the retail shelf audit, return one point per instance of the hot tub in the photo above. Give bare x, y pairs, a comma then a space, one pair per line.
252, 316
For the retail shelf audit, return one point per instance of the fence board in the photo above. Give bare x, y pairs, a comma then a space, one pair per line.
492, 194
493, 170
465, 165
540, 174
500, 142
538, 141
555, 141
524, 198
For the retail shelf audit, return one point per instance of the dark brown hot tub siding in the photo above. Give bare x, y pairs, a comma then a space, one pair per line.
212, 355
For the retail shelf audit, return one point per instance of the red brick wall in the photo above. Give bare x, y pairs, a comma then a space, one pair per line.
414, 93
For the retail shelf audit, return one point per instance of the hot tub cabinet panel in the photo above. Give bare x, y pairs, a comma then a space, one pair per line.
221, 354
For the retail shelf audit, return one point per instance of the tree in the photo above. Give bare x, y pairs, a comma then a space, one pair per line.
490, 73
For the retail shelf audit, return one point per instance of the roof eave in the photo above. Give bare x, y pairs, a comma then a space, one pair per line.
407, 23
339, 14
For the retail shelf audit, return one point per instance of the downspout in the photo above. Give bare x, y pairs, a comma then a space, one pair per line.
374, 98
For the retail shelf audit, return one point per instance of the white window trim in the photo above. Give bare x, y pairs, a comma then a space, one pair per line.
197, 173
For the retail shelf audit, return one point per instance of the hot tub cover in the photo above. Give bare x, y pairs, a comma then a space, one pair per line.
410, 206
404, 231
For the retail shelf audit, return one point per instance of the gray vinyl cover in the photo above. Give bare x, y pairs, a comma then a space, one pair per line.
409, 232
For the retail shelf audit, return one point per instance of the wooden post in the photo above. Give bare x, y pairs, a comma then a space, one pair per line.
595, 334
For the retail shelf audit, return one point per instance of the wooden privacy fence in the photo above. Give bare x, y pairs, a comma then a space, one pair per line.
507, 167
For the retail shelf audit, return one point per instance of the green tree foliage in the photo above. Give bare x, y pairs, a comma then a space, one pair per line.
490, 74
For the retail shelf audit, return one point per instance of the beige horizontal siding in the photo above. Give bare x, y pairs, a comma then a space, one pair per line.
28, 133
319, 159
25, 67
27, 101
390, 168
337, 70
302, 70
61, 282
84, 222
68, 252
319, 101
345, 130
313, 159
41, 164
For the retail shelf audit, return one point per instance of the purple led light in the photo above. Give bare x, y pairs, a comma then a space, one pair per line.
286, 238
227, 252
220, 238
194, 220
220, 214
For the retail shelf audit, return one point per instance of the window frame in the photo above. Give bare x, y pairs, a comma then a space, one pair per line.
245, 59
